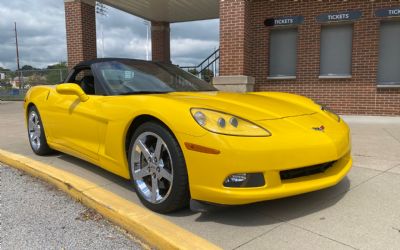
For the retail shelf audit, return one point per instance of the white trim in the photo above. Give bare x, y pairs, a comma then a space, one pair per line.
334, 77
168, 11
388, 86
281, 77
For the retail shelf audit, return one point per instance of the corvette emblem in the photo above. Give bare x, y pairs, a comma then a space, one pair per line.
321, 128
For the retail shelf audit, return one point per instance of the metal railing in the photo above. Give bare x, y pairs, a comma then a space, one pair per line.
207, 69
15, 84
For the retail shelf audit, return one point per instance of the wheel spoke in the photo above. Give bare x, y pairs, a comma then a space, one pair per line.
141, 173
35, 120
165, 174
154, 189
144, 149
151, 159
157, 150
34, 129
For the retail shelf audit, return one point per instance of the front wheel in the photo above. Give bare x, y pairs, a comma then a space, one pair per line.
37, 137
158, 168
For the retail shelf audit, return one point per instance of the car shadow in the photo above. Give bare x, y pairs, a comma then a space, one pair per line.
273, 211
96, 170
256, 214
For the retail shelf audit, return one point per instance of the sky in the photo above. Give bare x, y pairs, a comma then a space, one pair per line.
42, 42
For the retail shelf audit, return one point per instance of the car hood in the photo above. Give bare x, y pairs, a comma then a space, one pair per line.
246, 105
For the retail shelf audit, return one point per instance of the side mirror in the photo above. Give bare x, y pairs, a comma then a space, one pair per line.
72, 89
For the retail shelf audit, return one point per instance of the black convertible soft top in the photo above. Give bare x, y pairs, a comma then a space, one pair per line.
93, 61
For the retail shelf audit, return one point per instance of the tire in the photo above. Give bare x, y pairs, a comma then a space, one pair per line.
156, 160
36, 135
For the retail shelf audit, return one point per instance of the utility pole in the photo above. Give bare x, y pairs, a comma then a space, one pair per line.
16, 46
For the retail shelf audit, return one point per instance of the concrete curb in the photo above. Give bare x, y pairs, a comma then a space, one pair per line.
157, 231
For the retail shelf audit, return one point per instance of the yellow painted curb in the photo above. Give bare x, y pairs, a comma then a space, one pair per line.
149, 226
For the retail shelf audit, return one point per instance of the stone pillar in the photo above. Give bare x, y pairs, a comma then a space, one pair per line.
160, 41
234, 83
235, 47
80, 22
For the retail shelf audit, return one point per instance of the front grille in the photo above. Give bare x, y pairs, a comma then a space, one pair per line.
306, 171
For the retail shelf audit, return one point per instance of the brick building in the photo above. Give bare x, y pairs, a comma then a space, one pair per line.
345, 54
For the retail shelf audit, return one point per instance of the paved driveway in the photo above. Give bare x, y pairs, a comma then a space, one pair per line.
361, 212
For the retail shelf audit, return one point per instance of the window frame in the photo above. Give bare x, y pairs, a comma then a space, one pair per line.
78, 69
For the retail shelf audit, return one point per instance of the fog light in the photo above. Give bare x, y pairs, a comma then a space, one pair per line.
236, 178
245, 180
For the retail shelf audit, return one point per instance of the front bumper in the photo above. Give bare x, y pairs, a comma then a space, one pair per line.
269, 156
275, 188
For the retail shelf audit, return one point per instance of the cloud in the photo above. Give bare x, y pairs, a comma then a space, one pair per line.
125, 36
42, 38
41, 32
189, 51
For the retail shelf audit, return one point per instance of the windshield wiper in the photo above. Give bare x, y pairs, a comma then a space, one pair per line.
144, 92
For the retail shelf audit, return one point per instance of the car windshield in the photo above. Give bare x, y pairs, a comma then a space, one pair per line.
127, 77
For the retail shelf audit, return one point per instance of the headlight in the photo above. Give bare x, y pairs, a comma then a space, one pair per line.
222, 123
332, 114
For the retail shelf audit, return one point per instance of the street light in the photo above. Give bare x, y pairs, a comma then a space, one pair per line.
101, 10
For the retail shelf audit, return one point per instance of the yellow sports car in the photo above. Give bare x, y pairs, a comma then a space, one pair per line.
179, 139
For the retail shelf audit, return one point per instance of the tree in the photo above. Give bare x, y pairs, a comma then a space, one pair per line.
193, 71
207, 75
9, 75
27, 70
56, 73
28, 67
4, 69
61, 65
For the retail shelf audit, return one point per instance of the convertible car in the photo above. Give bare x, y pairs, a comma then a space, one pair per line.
178, 139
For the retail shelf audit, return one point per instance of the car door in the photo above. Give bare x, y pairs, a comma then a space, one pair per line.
75, 124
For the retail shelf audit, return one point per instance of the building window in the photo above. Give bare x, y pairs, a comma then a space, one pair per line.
283, 53
336, 50
389, 54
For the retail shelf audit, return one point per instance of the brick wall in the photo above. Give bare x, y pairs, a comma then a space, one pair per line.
358, 95
80, 20
160, 41
235, 39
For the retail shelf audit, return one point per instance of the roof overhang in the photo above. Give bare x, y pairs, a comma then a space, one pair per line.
168, 10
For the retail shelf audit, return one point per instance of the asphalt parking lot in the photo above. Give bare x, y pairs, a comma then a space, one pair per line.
361, 212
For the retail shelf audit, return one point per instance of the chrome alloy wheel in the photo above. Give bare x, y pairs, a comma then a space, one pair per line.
152, 167
34, 130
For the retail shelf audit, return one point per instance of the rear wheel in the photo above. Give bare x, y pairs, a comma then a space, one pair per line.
158, 168
37, 137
